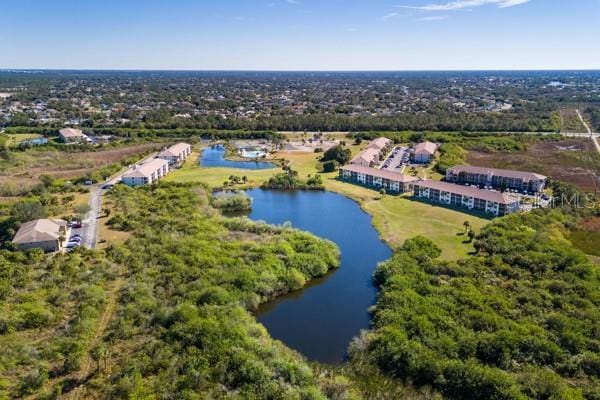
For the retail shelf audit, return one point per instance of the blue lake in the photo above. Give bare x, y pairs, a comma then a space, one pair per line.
214, 156
320, 320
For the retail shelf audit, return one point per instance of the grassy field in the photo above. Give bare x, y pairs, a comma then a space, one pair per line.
14, 139
396, 218
22, 169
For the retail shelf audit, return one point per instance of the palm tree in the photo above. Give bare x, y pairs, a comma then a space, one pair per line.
471, 235
467, 225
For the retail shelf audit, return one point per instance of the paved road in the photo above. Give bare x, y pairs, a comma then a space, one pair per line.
89, 230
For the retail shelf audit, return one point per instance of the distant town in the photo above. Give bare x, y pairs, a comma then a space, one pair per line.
489, 101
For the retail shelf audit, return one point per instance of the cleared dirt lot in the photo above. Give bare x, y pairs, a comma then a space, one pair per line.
571, 160
24, 168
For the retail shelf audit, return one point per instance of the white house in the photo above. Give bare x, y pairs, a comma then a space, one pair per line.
147, 173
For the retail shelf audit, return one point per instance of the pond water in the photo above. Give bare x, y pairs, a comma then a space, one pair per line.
214, 156
321, 319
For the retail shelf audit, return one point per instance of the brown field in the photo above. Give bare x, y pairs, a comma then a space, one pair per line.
570, 160
591, 225
25, 168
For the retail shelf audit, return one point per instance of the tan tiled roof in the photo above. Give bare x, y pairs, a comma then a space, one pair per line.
368, 155
426, 147
39, 230
497, 172
174, 151
379, 143
502, 198
380, 173
146, 169
71, 132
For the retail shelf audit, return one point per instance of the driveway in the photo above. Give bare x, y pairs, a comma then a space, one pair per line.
89, 228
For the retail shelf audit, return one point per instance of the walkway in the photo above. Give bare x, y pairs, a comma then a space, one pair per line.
593, 136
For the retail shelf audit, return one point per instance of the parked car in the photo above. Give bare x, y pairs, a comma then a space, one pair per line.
76, 225
71, 245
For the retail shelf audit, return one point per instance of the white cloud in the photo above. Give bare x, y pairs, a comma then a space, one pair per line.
434, 18
462, 4
390, 15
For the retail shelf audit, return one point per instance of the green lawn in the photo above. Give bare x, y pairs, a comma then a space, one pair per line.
396, 218
14, 139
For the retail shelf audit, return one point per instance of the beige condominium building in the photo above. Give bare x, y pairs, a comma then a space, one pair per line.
377, 178
472, 198
497, 178
424, 152
176, 154
147, 173
374, 153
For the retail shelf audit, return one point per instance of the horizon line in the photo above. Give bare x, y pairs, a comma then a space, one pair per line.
13, 69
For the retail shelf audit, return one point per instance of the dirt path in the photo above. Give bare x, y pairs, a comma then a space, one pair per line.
587, 127
88, 364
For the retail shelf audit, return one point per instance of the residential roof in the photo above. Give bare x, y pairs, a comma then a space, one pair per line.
426, 147
369, 154
380, 173
146, 169
39, 230
71, 132
488, 195
174, 151
379, 143
498, 172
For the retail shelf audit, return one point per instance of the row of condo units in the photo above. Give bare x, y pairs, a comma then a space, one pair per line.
393, 182
375, 152
469, 197
378, 149
152, 170
485, 190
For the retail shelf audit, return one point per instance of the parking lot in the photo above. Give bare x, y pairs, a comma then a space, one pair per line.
399, 158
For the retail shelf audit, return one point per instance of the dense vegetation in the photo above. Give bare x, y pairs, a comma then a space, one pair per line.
289, 180
451, 154
339, 154
232, 202
518, 320
478, 141
594, 113
186, 282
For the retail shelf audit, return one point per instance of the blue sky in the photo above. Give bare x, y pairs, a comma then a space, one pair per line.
300, 34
